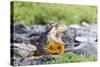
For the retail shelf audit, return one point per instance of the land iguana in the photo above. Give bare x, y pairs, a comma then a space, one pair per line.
50, 42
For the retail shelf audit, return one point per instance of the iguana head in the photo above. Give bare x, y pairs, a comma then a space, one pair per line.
60, 27
57, 29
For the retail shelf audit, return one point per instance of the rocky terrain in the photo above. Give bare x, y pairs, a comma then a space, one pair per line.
81, 39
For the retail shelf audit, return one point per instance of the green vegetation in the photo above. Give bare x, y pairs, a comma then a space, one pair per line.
71, 57
31, 13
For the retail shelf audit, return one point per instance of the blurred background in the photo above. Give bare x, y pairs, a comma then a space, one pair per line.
39, 13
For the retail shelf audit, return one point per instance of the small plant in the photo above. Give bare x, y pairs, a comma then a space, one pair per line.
72, 57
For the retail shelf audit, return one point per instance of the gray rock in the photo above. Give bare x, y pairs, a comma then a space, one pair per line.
23, 50
20, 28
19, 38
87, 34
34, 40
38, 28
76, 27
82, 30
19, 52
86, 48
93, 30
85, 39
68, 38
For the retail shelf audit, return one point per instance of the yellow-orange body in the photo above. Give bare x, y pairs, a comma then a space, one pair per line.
54, 47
